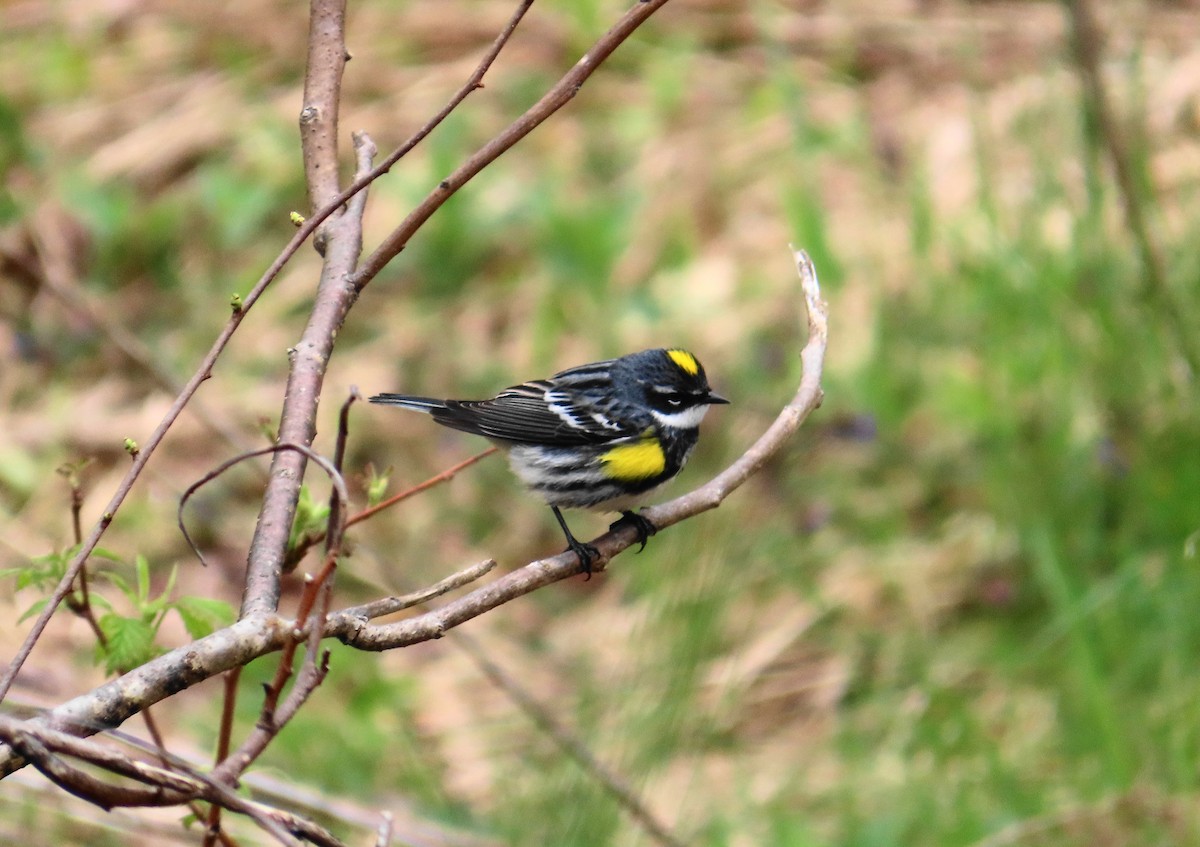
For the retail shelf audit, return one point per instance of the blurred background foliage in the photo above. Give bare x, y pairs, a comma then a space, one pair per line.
959, 609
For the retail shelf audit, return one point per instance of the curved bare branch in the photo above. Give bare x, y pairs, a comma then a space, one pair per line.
358, 633
251, 637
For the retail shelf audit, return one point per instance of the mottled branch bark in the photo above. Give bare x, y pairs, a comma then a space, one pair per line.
327, 58
341, 243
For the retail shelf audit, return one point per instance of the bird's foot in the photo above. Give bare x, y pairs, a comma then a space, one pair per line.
640, 524
587, 555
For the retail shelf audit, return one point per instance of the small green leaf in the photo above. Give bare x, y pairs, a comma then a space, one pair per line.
377, 485
163, 601
45, 570
142, 567
103, 553
202, 615
311, 517
46, 558
130, 642
170, 588
268, 430
33, 610
122, 584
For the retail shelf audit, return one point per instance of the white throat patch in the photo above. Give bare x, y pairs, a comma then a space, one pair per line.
685, 419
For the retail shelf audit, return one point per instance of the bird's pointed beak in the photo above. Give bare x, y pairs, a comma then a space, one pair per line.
715, 399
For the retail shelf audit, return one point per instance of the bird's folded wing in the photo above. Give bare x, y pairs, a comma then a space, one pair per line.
534, 414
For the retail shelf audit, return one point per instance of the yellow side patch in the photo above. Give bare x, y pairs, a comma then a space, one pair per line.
641, 460
686, 361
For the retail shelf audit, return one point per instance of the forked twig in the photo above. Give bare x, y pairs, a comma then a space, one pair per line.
559, 95
204, 371
162, 787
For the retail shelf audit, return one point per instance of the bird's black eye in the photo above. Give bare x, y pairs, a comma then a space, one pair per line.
666, 400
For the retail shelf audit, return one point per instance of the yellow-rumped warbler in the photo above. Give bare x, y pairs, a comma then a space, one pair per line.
601, 436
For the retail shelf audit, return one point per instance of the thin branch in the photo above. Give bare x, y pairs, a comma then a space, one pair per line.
160, 746
391, 605
364, 155
808, 398
166, 787
299, 548
445, 476
164, 758
271, 791
558, 96
36, 743
306, 543
313, 611
336, 506
104, 794
75, 482
283, 672
80, 602
474, 82
83, 607
224, 734
56, 276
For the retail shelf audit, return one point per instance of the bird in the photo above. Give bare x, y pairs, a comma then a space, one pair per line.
601, 436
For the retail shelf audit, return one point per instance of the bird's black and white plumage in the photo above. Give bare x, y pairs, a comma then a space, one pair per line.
597, 436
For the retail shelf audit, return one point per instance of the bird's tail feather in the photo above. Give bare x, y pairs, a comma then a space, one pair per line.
409, 401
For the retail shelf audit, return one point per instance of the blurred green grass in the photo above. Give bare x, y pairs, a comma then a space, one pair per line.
959, 606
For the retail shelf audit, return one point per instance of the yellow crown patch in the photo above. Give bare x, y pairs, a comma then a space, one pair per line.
686, 361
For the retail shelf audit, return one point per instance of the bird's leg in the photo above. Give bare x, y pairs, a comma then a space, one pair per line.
641, 526
586, 552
